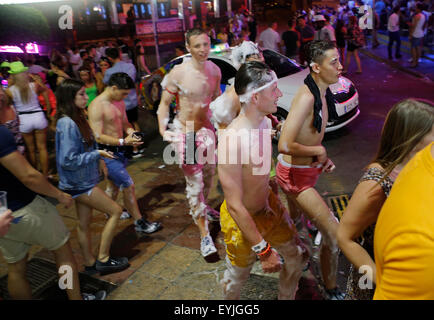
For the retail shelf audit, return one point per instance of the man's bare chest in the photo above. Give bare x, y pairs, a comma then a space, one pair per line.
196, 85
112, 115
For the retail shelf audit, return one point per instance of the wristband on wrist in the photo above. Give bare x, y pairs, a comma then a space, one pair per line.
121, 142
265, 253
261, 246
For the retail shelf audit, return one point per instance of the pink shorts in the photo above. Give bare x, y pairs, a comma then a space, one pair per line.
195, 149
295, 179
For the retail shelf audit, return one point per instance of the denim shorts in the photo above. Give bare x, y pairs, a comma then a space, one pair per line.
117, 172
76, 193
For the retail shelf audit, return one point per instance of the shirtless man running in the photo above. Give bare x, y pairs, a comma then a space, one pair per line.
109, 122
195, 83
227, 106
302, 158
252, 217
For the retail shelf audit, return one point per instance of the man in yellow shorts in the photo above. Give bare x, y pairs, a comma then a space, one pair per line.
252, 218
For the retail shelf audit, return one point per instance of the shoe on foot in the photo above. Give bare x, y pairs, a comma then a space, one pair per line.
207, 246
125, 215
143, 225
100, 295
334, 294
213, 215
112, 265
137, 154
90, 270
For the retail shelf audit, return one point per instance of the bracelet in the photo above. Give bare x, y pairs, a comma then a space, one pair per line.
265, 253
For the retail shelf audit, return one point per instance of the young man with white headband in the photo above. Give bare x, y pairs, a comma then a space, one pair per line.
227, 106
254, 222
302, 158
194, 83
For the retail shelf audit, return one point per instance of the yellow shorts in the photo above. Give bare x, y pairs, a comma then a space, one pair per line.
41, 224
273, 223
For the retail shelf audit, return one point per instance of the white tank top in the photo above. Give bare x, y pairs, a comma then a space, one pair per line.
31, 105
418, 30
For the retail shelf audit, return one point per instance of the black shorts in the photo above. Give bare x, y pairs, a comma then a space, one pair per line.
352, 47
133, 114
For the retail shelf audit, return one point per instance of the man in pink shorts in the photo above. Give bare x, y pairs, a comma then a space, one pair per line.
302, 158
194, 83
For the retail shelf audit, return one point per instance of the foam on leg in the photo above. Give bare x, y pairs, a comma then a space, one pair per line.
295, 256
233, 280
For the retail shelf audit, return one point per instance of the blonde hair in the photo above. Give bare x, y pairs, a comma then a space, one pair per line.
405, 126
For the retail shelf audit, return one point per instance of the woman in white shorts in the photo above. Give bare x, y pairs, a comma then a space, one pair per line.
33, 121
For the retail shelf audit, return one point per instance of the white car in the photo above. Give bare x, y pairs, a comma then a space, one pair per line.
291, 76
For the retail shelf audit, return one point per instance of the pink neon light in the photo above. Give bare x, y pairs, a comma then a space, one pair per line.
30, 48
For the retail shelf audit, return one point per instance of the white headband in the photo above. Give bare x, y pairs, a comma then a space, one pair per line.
245, 97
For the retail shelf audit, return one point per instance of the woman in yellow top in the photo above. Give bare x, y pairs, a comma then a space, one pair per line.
404, 236
407, 129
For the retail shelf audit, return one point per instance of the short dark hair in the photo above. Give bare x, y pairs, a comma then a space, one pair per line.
270, 24
316, 49
193, 32
83, 53
253, 73
112, 53
121, 80
89, 48
291, 22
105, 59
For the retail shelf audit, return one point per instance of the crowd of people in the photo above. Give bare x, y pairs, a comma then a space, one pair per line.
95, 117
93, 107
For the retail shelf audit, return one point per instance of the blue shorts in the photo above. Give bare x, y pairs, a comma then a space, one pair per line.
117, 172
416, 42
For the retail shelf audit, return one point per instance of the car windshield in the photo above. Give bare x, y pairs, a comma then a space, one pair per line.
172, 63
283, 66
227, 70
